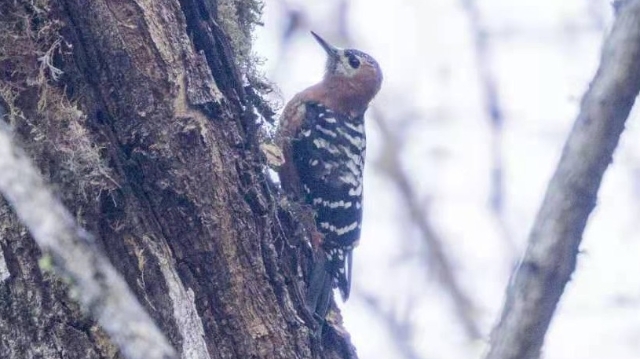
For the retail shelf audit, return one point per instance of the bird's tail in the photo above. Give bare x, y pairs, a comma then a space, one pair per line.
339, 266
327, 273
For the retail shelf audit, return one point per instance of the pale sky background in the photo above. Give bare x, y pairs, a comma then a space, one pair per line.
543, 55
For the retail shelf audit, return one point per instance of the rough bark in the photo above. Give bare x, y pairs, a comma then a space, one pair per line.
136, 114
96, 285
550, 259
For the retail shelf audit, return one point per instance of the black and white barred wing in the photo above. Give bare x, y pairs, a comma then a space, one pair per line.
329, 154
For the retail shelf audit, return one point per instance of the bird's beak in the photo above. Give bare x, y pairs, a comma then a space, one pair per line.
332, 51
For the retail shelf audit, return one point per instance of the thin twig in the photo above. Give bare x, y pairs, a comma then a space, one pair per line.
495, 116
420, 217
400, 329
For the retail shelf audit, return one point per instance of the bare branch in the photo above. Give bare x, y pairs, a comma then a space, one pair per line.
491, 101
571, 196
495, 116
94, 282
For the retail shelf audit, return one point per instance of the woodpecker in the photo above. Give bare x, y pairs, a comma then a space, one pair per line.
322, 138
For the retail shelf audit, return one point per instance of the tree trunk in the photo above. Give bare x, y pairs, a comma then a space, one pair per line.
137, 117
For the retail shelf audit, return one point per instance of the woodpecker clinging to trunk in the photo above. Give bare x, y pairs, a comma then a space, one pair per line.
322, 137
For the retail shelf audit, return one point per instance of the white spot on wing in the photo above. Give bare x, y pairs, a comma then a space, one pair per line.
357, 141
336, 204
339, 231
356, 191
350, 179
324, 144
357, 128
358, 159
326, 131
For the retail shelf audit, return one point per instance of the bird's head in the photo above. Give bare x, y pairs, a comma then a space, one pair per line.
352, 69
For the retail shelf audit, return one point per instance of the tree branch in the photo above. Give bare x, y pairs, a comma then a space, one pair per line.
550, 257
100, 290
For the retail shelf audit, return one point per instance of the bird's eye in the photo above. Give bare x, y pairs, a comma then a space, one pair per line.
354, 62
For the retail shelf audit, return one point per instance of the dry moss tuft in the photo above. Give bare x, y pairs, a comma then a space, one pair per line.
238, 18
52, 128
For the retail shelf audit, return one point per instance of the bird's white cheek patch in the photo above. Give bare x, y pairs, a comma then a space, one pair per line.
343, 67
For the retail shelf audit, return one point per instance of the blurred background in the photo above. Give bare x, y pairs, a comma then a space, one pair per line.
477, 101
